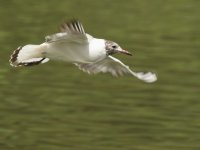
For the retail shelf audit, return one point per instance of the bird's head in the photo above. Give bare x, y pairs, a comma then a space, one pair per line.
112, 48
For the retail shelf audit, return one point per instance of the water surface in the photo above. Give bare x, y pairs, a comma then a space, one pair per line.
55, 106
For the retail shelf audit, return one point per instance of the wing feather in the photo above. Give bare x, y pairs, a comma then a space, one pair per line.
73, 26
70, 31
116, 68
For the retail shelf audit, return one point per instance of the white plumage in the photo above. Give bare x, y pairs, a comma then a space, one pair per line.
72, 44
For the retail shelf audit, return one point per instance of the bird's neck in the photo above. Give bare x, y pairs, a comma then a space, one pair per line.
97, 49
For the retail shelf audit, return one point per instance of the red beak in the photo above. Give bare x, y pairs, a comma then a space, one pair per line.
125, 52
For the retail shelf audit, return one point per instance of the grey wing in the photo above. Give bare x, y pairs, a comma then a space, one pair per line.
116, 68
70, 31
73, 26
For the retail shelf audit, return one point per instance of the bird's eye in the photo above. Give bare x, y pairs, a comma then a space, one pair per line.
114, 46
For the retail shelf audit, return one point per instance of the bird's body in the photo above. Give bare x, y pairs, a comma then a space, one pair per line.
86, 51
73, 45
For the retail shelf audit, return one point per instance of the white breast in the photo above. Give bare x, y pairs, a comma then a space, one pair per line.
97, 49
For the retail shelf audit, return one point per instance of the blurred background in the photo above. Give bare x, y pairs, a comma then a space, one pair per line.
55, 106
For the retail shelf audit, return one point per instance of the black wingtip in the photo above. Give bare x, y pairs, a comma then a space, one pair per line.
14, 62
13, 57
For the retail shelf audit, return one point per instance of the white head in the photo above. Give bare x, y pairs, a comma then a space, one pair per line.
112, 48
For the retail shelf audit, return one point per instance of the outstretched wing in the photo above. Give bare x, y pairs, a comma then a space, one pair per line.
19, 57
116, 68
73, 26
70, 31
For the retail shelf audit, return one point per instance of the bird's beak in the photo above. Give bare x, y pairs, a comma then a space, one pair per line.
124, 52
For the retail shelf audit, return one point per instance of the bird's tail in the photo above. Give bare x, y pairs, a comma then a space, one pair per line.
28, 55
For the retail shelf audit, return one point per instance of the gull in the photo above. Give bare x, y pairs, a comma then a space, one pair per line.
73, 44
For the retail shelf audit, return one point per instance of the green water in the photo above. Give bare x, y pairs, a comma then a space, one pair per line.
55, 106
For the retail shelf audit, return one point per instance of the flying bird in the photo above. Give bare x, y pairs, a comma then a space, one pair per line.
73, 44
